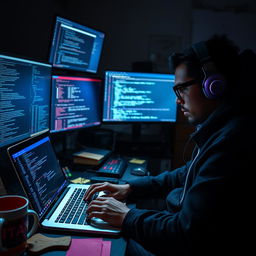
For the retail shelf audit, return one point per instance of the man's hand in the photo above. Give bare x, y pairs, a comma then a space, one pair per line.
119, 192
108, 209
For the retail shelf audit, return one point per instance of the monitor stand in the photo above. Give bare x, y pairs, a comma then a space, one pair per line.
136, 131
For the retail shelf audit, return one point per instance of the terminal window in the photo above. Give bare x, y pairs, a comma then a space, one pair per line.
25, 98
75, 46
76, 102
139, 97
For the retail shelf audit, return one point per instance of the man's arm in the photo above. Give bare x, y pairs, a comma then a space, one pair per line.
159, 185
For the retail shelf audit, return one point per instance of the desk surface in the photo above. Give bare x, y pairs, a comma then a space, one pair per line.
118, 245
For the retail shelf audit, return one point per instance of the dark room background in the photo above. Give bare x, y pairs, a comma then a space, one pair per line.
137, 32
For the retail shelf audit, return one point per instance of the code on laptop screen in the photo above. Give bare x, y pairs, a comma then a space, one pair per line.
40, 172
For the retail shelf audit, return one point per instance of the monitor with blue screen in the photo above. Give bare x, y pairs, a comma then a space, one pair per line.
75, 46
138, 97
24, 98
76, 103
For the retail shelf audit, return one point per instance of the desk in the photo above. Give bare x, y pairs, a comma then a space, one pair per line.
118, 245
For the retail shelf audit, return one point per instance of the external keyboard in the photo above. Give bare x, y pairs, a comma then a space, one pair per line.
113, 167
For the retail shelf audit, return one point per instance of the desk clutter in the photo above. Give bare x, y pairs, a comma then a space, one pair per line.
39, 244
91, 156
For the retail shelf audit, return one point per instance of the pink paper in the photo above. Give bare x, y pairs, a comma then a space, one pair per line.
90, 246
106, 248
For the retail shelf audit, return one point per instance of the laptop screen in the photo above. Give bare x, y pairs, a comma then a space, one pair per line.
39, 171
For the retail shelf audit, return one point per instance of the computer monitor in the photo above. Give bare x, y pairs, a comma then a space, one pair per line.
138, 97
76, 103
75, 46
25, 98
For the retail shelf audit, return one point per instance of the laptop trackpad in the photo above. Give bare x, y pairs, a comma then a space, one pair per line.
99, 223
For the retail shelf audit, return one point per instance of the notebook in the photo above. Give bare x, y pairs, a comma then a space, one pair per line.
59, 204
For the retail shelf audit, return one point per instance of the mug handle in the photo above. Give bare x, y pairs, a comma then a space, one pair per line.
35, 223
1, 224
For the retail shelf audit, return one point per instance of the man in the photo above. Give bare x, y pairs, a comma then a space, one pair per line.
207, 202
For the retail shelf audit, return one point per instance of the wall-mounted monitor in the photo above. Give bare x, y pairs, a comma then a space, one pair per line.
139, 97
24, 98
75, 46
76, 103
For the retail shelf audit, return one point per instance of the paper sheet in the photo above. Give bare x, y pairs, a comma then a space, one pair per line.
89, 246
137, 161
80, 180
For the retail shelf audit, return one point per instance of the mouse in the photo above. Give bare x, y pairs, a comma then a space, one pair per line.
138, 171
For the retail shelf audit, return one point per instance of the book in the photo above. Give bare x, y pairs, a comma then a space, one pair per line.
91, 156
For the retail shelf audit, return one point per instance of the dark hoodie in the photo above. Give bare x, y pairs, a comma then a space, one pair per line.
208, 201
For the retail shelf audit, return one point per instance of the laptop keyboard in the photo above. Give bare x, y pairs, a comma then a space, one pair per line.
74, 211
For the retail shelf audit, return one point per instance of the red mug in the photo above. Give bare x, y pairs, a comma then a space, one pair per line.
14, 232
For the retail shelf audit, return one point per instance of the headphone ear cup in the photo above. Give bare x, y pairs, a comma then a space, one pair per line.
214, 86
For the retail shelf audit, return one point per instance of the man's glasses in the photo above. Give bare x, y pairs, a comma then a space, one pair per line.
179, 88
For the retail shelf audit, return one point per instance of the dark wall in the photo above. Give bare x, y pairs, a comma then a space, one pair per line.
136, 30
26, 27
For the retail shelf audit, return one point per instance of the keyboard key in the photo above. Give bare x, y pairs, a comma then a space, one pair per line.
73, 208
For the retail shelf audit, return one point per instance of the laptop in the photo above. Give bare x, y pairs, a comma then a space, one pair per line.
58, 203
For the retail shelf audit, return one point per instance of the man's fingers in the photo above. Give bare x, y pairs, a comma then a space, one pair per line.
98, 201
99, 204
108, 195
102, 198
88, 191
107, 209
94, 189
96, 207
96, 214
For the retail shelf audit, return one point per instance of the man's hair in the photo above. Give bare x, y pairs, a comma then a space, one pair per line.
222, 51
238, 69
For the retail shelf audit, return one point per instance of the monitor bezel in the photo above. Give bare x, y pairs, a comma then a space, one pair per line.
53, 28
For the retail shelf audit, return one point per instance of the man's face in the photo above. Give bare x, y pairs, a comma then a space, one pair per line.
194, 105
